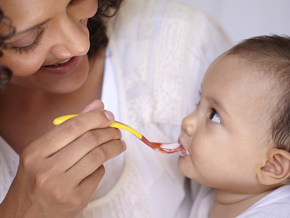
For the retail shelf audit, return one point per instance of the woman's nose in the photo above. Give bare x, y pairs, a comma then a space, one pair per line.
71, 39
189, 124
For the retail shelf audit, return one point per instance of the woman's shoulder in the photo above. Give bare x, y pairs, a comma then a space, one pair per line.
185, 15
178, 10
197, 30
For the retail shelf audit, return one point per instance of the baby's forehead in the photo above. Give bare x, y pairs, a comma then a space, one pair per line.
240, 68
257, 66
241, 83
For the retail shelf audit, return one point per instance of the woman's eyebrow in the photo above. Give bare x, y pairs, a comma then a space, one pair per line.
33, 27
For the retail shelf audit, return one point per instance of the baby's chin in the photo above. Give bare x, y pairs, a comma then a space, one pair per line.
188, 169
185, 166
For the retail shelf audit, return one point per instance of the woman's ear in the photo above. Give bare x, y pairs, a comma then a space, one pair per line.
276, 168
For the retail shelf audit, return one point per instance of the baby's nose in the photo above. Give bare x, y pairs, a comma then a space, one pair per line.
189, 124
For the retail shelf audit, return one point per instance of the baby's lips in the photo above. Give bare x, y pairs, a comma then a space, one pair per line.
183, 152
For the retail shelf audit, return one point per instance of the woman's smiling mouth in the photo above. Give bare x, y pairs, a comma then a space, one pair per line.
63, 67
58, 63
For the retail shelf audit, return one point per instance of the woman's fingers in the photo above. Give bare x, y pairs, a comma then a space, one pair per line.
88, 185
76, 150
96, 104
94, 159
65, 133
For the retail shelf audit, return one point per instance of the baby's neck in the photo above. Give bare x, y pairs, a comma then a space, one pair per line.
230, 205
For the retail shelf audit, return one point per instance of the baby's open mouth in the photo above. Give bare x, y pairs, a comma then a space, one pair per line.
183, 152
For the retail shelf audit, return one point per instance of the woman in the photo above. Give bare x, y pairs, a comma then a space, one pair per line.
31, 195
148, 76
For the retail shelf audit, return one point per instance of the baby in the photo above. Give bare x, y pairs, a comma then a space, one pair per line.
239, 135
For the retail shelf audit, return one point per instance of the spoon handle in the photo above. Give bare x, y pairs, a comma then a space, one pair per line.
154, 145
115, 124
119, 125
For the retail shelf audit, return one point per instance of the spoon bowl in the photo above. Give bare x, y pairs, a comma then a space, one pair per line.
167, 148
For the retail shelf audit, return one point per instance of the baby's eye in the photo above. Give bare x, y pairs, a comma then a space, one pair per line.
214, 117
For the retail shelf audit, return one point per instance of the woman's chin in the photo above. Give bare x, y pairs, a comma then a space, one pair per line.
60, 86
66, 89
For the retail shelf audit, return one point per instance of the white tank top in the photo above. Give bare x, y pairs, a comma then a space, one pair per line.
122, 192
114, 167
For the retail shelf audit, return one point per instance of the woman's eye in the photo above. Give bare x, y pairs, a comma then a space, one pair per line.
25, 39
214, 117
27, 42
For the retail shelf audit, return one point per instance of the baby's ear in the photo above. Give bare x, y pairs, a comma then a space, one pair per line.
276, 168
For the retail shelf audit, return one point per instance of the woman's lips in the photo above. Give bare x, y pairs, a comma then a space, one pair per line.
58, 63
63, 67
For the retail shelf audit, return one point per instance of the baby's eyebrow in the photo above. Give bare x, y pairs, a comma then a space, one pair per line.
219, 105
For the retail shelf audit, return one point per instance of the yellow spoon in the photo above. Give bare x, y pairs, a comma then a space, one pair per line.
162, 147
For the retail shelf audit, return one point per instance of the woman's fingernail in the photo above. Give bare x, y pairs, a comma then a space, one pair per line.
96, 104
109, 115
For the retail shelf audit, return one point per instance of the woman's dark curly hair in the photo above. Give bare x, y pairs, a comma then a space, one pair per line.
8, 31
98, 37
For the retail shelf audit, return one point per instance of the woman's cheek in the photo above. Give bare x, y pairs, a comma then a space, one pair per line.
24, 65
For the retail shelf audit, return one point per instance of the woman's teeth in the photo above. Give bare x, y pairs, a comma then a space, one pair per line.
59, 63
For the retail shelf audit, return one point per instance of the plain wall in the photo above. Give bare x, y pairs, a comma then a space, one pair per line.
247, 18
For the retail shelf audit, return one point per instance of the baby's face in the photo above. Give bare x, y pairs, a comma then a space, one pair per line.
228, 134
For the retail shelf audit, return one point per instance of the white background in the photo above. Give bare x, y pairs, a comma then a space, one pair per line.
246, 18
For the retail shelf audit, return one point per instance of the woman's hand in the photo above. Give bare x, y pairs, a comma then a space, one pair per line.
59, 172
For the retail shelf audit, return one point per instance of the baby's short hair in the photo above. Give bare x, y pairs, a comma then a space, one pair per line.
271, 54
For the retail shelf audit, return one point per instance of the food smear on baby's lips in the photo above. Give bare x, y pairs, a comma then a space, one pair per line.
171, 147
183, 152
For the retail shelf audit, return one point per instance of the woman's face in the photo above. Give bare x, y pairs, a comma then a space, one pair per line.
48, 51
